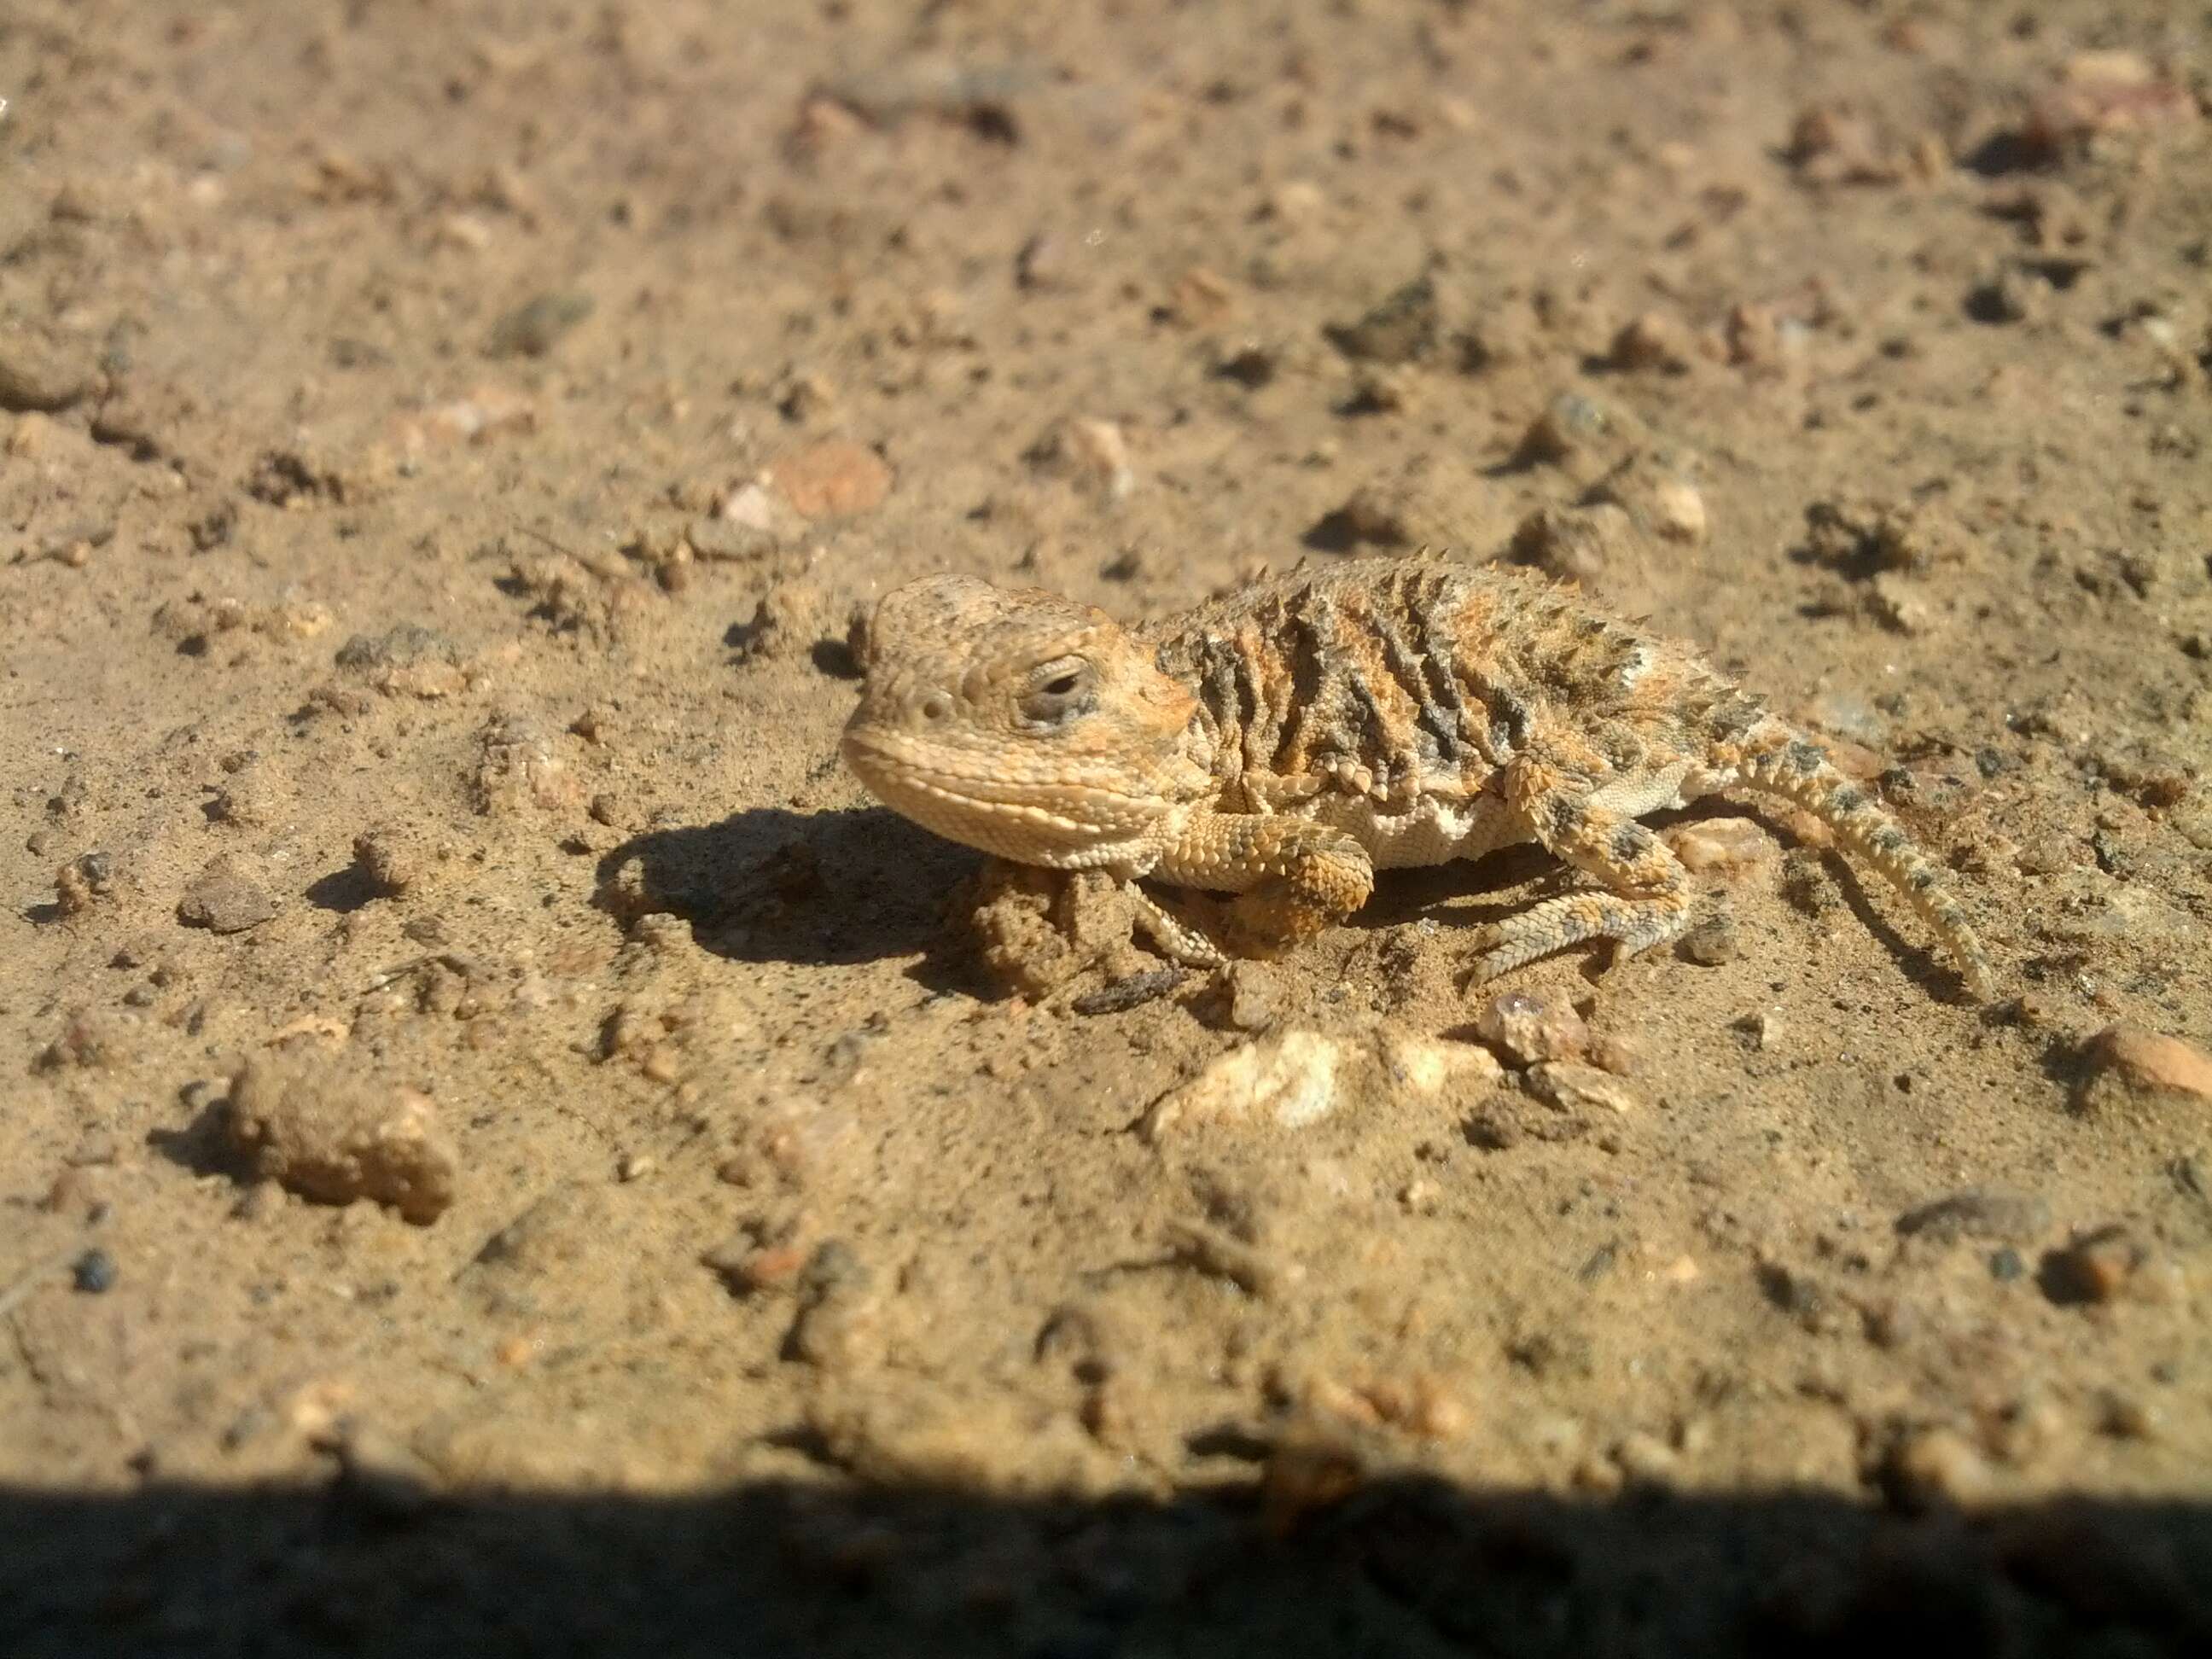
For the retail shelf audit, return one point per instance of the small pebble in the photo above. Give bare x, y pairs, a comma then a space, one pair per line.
385, 859
834, 478
1427, 1066
748, 1267
2046, 855
1978, 1212
1676, 510
405, 645
1712, 943
1932, 1468
1371, 517
1571, 1087
519, 764
1614, 1051
223, 900
1897, 606
722, 540
1420, 1197
94, 1271
1576, 543
1044, 262
1255, 995
1093, 451
329, 1134
1834, 143
1763, 1030
2095, 1268
2124, 1065
2130, 1417
249, 799
1647, 1461
38, 377
840, 1323
29, 435
532, 329
485, 413
2098, 92
1202, 296
1848, 714
74, 892
2007, 296
380, 1472
754, 507
1249, 365
1528, 1030
804, 398
1399, 329
1419, 1405
1654, 341
1299, 200
1103, 453
1570, 423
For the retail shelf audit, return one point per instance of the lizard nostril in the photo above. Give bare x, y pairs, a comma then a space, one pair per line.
936, 706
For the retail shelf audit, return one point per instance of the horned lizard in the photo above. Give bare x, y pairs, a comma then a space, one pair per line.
1286, 742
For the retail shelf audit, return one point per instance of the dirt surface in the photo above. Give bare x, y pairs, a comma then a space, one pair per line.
442, 449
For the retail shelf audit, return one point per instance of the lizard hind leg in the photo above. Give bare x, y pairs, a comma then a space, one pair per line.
1642, 898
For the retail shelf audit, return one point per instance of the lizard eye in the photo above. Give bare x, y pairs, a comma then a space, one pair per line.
1058, 692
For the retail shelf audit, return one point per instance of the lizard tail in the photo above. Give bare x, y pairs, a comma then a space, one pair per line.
1772, 759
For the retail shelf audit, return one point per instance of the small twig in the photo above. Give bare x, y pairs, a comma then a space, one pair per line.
399, 972
537, 535
453, 959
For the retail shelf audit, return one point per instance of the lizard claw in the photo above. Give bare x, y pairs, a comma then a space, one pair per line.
1184, 941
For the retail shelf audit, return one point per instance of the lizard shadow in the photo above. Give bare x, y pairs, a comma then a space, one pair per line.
851, 885
861, 884
1918, 962
1465, 894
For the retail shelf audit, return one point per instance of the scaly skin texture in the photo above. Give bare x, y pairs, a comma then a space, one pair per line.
1283, 743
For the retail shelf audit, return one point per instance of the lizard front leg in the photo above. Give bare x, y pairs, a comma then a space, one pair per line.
1292, 877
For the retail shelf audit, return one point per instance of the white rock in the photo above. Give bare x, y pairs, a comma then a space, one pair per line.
1720, 843
1571, 1087
1678, 511
1426, 1066
1529, 1030
1289, 1080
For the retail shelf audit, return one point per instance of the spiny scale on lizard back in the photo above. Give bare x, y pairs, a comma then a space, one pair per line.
1381, 675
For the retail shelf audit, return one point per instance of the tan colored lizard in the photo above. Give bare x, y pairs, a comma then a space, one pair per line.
1286, 742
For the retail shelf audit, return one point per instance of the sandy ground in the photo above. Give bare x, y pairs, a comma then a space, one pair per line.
443, 449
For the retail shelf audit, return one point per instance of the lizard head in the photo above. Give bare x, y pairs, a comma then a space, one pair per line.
1023, 724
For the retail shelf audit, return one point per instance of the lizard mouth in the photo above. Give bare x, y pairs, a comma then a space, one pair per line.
1063, 823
